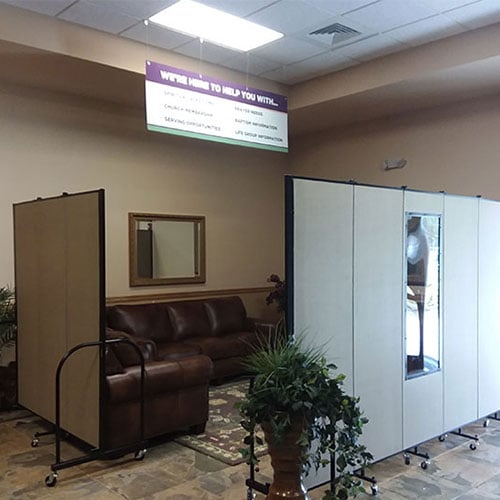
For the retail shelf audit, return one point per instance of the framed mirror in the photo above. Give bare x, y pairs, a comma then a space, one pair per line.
166, 249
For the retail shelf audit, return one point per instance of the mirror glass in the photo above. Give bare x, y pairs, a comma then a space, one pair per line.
166, 249
423, 278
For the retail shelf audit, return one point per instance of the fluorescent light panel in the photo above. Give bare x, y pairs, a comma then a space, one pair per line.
195, 19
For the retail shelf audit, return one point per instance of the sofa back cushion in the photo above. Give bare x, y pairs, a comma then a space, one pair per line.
149, 321
226, 315
189, 319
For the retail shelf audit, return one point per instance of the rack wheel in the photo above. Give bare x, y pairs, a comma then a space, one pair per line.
34, 442
140, 454
374, 489
473, 446
442, 437
424, 464
250, 494
407, 459
486, 423
51, 480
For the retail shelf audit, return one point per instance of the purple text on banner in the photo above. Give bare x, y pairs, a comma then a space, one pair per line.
180, 78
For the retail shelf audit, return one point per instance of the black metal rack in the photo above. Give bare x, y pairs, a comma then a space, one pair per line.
94, 453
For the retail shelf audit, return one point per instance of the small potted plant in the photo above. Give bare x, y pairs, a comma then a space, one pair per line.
298, 401
278, 296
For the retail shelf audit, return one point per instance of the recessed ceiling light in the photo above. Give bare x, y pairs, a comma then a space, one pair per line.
195, 19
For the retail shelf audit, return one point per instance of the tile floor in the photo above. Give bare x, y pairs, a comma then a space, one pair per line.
173, 472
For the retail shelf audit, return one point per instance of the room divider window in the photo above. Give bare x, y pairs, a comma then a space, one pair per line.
423, 291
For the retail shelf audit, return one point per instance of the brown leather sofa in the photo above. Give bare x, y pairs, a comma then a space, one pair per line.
175, 393
218, 328
185, 345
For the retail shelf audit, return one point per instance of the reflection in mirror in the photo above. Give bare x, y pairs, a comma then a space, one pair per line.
166, 249
423, 252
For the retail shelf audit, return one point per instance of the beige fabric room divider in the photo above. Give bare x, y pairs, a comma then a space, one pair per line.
60, 290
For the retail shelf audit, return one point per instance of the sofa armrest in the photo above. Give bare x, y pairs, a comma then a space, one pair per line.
159, 377
125, 353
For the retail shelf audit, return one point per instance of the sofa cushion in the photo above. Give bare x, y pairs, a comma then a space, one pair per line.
176, 350
227, 346
189, 319
160, 377
226, 315
149, 321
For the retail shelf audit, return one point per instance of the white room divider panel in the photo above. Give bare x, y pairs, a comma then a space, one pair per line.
489, 301
323, 269
403, 287
378, 343
322, 275
422, 395
460, 368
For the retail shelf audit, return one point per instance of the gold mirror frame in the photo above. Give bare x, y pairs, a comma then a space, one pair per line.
197, 249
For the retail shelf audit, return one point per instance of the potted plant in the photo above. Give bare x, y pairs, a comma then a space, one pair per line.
278, 296
7, 340
298, 401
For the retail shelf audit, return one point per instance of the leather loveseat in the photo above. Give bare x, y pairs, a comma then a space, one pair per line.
175, 393
218, 328
185, 345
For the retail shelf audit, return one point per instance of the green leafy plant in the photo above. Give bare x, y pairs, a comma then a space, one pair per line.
294, 381
7, 317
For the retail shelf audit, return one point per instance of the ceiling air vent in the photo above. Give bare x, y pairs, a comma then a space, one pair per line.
334, 33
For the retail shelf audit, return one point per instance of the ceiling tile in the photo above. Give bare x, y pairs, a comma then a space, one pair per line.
205, 51
339, 7
152, 34
240, 8
48, 7
478, 14
371, 47
288, 50
139, 9
389, 14
321, 64
444, 5
250, 64
97, 15
288, 16
426, 31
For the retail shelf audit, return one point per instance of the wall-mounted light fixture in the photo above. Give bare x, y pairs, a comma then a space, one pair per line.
392, 163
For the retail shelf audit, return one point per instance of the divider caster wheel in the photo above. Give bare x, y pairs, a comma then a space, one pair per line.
51, 479
34, 442
424, 464
250, 494
374, 489
407, 458
486, 423
473, 446
442, 437
139, 455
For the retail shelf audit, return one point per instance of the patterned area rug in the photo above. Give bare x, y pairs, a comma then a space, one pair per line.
223, 436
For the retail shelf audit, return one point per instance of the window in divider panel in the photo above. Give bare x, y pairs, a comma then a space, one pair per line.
423, 292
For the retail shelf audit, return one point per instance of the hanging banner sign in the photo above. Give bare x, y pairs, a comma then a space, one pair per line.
185, 103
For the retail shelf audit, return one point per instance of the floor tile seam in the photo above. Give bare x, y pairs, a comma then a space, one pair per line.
115, 493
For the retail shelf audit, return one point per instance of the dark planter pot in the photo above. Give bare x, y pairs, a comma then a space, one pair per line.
286, 460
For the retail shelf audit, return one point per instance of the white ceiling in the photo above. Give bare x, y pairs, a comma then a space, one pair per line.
385, 26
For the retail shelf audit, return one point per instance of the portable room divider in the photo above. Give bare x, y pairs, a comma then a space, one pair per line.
352, 269
60, 292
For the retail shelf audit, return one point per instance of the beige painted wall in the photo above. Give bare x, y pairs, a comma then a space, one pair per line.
50, 143
453, 148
